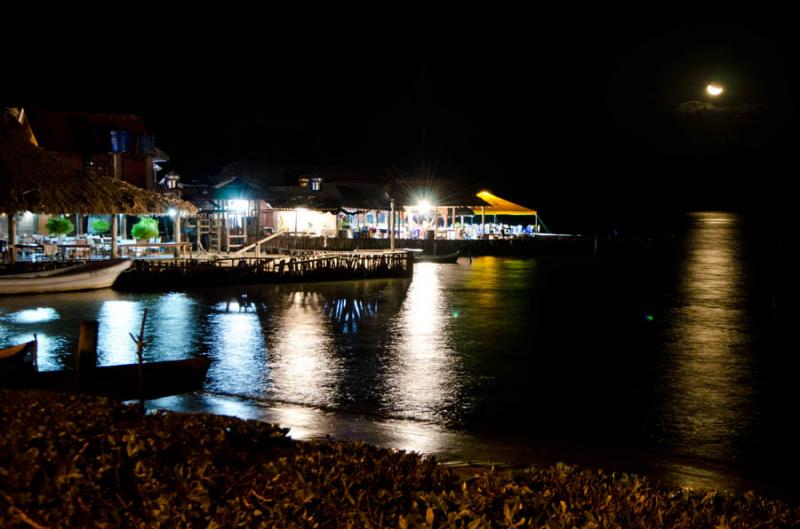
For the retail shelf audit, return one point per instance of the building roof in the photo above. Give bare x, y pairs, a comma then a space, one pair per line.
501, 206
330, 197
34, 180
61, 131
236, 189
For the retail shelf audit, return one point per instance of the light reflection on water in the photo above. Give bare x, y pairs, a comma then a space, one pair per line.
117, 320
304, 365
420, 379
348, 312
709, 343
236, 346
528, 356
37, 315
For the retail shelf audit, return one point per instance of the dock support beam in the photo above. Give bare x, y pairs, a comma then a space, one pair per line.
86, 357
391, 225
177, 235
12, 237
114, 230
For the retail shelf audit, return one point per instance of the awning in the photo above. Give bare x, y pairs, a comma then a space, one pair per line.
500, 206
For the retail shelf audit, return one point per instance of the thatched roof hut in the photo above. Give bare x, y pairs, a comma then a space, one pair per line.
32, 179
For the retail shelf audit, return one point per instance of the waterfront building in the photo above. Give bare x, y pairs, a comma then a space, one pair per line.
100, 144
37, 183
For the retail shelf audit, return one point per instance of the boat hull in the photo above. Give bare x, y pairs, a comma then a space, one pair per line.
160, 379
92, 275
17, 361
444, 258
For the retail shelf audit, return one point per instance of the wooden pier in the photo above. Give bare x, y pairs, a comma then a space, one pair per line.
301, 267
530, 246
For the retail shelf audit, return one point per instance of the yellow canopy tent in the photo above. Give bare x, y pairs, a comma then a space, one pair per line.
500, 206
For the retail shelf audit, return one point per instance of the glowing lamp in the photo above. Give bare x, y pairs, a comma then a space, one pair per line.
238, 205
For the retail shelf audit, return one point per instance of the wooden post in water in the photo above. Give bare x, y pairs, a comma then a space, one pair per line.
114, 230
391, 225
87, 344
86, 358
197, 231
12, 236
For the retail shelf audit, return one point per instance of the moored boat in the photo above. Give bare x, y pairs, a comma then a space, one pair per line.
159, 379
85, 276
18, 361
433, 258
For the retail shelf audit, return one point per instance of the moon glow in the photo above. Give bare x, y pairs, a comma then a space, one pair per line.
714, 89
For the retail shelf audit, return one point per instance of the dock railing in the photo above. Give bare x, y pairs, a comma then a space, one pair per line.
256, 246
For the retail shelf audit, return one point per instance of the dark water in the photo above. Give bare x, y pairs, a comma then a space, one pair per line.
667, 359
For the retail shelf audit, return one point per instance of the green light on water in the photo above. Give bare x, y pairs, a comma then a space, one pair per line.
650, 317
456, 314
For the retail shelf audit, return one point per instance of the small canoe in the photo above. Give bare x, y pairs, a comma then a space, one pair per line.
122, 381
18, 360
86, 276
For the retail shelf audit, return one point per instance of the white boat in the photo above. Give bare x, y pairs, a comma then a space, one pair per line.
85, 276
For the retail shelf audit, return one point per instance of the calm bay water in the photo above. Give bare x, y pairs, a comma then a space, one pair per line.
668, 359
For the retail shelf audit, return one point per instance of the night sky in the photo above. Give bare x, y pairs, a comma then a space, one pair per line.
581, 115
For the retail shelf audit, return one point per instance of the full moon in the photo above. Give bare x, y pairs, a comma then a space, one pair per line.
714, 89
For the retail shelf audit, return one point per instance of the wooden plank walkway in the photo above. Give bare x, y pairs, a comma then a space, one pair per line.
311, 266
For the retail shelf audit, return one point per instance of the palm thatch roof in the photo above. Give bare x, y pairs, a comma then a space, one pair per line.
32, 179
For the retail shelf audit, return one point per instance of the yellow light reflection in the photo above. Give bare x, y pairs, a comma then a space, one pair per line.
485, 278
711, 343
